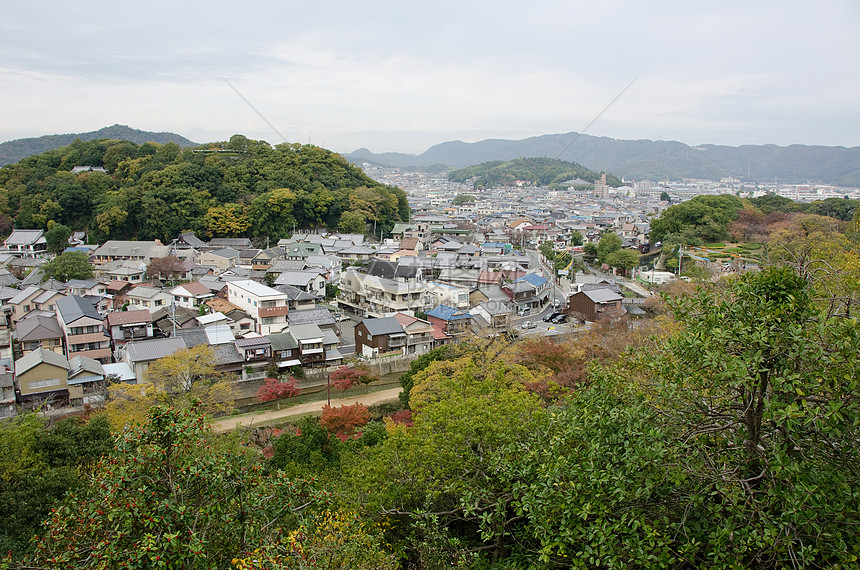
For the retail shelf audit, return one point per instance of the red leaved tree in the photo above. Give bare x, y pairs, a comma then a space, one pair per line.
274, 389
344, 421
346, 377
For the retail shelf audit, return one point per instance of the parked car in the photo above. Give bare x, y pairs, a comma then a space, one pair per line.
551, 316
529, 325
560, 319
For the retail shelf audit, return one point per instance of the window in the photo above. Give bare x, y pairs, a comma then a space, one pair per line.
34, 384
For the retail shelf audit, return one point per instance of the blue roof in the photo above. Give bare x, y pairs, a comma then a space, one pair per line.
534, 279
447, 313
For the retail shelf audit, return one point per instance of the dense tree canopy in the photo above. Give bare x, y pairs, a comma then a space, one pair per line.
239, 188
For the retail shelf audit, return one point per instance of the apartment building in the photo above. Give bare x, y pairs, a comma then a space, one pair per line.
268, 307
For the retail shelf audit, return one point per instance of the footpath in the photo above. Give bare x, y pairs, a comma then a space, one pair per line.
250, 420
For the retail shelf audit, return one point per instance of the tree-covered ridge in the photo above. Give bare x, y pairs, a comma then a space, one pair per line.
535, 171
15, 150
241, 188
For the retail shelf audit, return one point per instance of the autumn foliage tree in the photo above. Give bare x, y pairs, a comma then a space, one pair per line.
275, 389
344, 421
346, 377
170, 267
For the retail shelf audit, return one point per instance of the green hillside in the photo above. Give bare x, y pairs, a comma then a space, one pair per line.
15, 150
240, 188
534, 171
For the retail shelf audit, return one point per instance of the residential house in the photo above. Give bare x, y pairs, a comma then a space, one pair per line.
26, 243
595, 304
445, 294
419, 333
256, 352
379, 297
39, 331
308, 281
246, 258
319, 316
132, 271
266, 258
150, 298
141, 251
191, 295
82, 328
297, 299
378, 336
331, 342
140, 355
451, 320
223, 258
26, 300
240, 322
86, 382
126, 326
495, 316
7, 388
42, 376
285, 349
311, 344
237, 244
267, 306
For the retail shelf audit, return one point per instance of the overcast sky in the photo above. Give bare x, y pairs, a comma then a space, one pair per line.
403, 76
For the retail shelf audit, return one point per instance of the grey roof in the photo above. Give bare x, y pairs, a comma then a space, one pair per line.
319, 316
219, 334
25, 237
282, 265
225, 252
226, 354
153, 349
24, 295
605, 295
37, 328
72, 308
80, 364
296, 278
296, 294
330, 337
192, 337
306, 331
38, 356
121, 370
252, 341
383, 326
283, 341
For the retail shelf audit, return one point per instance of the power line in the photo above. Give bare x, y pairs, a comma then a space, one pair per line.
259, 114
594, 120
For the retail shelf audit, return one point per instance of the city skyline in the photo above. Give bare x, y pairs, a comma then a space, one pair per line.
394, 77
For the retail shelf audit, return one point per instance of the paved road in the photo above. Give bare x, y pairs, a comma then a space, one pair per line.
248, 420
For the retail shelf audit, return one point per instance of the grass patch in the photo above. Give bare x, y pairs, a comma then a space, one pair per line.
715, 245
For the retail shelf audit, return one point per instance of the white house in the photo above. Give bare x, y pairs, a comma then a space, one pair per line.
268, 307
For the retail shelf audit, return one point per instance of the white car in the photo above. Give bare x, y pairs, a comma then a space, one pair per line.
529, 325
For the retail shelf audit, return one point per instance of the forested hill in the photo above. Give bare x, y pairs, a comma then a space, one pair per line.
533, 171
15, 150
240, 188
648, 159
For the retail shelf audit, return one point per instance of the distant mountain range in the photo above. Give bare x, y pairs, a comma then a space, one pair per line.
15, 150
646, 159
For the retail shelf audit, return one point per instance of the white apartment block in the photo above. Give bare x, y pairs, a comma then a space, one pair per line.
267, 306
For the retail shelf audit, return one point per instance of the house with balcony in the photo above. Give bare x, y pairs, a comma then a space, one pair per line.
82, 328
139, 251
33, 298
311, 344
256, 352
39, 331
268, 307
126, 326
121, 270
378, 297
285, 350
86, 382
378, 336
419, 333
42, 377
223, 258
450, 320
26, 243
